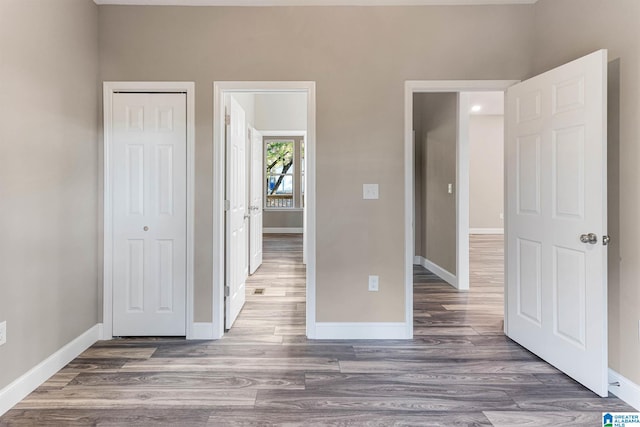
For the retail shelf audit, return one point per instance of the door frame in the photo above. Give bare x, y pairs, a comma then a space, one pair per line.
462, 179
220, 88
109, 89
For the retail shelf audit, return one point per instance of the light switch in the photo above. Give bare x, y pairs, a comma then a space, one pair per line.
370, 191
450, 188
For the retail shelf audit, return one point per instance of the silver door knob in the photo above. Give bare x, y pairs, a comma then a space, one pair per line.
247, 216
146, 228
606, 240
253, 208
590, 238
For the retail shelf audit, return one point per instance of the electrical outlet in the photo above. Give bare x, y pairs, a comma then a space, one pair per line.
370, 191
3, 332
374, 281
501, 215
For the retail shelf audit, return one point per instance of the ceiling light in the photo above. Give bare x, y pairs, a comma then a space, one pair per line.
476, 108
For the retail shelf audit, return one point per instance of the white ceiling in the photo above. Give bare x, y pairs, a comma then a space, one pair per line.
491, 103
311, 2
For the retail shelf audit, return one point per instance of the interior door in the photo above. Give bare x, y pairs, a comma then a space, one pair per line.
556, 203
255, 208
237, 259
149, 214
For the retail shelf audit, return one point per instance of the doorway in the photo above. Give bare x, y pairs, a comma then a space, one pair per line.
555, 155
283, 189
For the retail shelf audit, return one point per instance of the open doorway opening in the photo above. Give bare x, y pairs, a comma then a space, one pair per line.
458, 190
266, 211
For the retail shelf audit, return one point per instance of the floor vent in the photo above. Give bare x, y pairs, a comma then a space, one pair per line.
258, 291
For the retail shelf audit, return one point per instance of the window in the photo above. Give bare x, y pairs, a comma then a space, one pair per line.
279, 159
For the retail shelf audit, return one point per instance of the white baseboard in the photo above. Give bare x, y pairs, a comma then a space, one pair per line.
486, 231
361, 331
437, 270
21, 387
282, 230
627, 391
201, 331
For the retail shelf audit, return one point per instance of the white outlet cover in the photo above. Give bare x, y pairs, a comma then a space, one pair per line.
370, 191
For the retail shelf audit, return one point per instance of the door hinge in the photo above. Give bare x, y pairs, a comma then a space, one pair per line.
227, 291
227, 119
227, 205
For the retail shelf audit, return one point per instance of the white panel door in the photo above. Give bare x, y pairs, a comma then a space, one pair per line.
556, 196
237, 254
255, 198
149, 214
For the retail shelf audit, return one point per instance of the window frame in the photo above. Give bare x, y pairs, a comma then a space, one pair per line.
266, 141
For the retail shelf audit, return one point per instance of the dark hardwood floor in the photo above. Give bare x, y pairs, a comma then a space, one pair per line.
459, 370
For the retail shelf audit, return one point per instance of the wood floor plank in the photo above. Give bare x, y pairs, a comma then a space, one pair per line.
120, 417
321, 418
543, 419
192, 380
129, 397
238, 364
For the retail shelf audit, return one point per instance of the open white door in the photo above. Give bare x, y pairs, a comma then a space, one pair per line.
556, 270
256, 191
237, 265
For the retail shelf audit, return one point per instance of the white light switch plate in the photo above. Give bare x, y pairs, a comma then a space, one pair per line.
369, 191
374, 282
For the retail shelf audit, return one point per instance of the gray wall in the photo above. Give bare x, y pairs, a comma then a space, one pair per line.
436, 120
48, 177
486, 171
565, 30
359, 63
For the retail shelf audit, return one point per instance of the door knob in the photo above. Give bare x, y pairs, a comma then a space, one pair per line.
606, 240
146, 228
590, 238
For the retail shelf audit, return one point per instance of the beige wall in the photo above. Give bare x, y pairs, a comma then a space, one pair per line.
565, 30
281, 111
282, 219
438, 117
486, 171
48, 177
359, 64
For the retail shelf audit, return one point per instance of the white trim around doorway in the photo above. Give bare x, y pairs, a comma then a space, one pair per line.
462, 181
219, 90
109, 88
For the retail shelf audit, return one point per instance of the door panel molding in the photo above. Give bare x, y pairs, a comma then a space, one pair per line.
109, 89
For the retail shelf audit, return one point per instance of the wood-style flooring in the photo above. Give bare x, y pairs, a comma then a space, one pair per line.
459, 370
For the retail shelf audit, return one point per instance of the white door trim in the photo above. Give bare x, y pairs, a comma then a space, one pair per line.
462, 184
109, 88
219, 90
